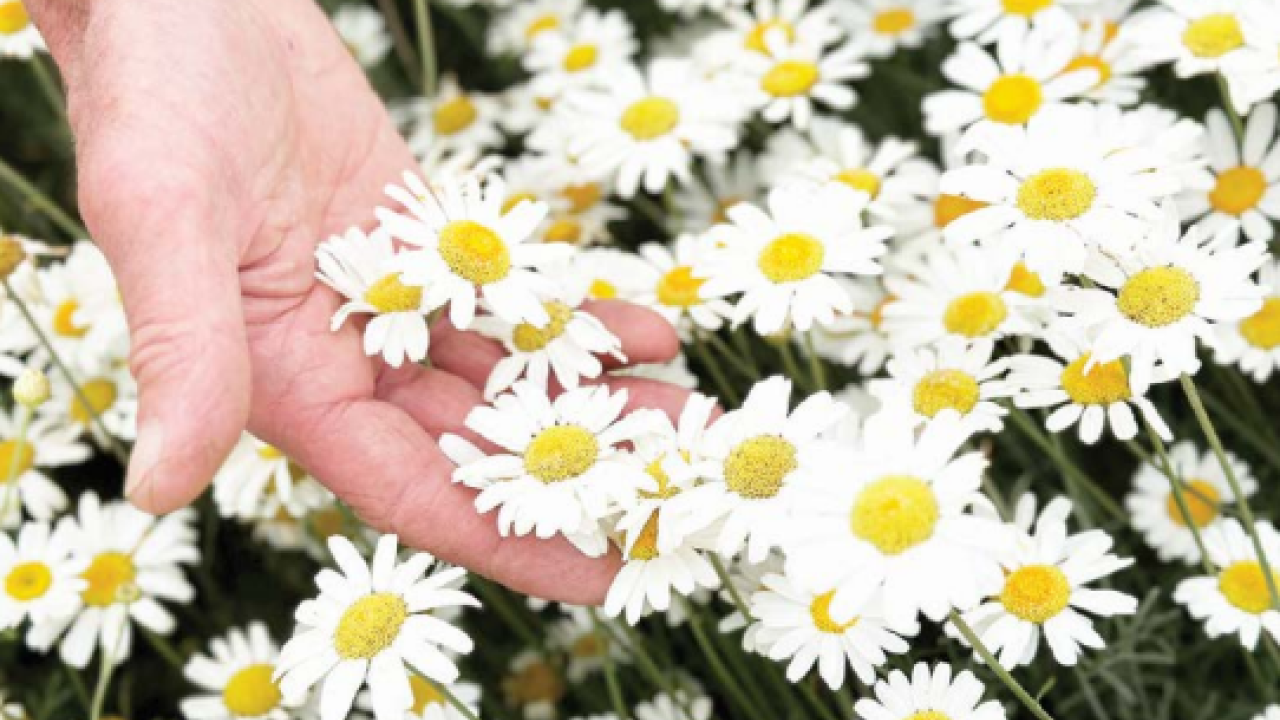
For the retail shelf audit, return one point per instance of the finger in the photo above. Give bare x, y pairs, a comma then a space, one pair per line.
437, 400
172, 247
378, 459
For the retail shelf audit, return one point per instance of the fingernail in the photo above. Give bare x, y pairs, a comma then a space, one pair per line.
147, 452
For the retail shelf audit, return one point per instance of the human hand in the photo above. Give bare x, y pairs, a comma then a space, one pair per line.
218, 144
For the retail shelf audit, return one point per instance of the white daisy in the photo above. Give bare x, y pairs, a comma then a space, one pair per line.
929, 694
895, 516
41, 573
787, 80
797, 625
515, 30
365, 270
677, 294
19, 37
454, 120
1198, 36
1254, 342
49, 443
885, 26
1245, 194
991, 21
373, 623
1238, 600
429, 703
469, 247
585, 53
257, 481
110, 399
605, 274
79, 307
689, 8
704, 204
588, 648
561, 468
1155, 509
1178, 142
954, 375
795, 20
236, 677
533, 685
1109, 46
781, 258
364, 32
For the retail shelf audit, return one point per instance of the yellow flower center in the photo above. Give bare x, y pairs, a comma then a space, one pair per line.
755, 38
1025, 282
820, 611
655, 471
581, 57
1012, 99
1056, 195
1213, 35
110, 577
792, 257
1036, 593
454, 116
540, 25
646, 545
1158, 297
1245, 587
1104, 384
369, 626
425, 693
757, 467
893, 21
1238, 190
1262, 329
862, 180
975, 315
895, 513
589, 645
389, 295
13, 18
561, 452
474, 252
790, 78
564, 229
28, 581
650, 118
581, 197
679, 288
25, 457
251, 692
1091, 62
64, 323
536, 683
1025, 8
948, 208
1202, 504
928, 715
602, 290
945, 390
101, 394
528, 338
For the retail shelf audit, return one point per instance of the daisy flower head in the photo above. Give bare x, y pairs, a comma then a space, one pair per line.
1157, 513
364, 31
533, 685
516, 29
1238, 600
568, 348
19, 37
373, 623
134, 561
1254, 342
1055, 189
236, 678
561, 468
690, 8
961, 292
41, 572
1030, 72
929, 693
1047, 571
992, 21
793, 20
702, 205
49, 443
1178, 142
1253, 74
753, 458
605, 274
790, 78
898, 520
1153, 304
79, 307
585, 53
677, 293
1110, 47
455, 120
781, 259
258, 481
1198, 36
888, 25
797, 625
466, 247
1080, 391
588, 648
365, 269
106, 400
429, 703
954, 375
646, 128
1245, 194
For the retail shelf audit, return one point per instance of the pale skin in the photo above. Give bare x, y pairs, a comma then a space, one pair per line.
218, 143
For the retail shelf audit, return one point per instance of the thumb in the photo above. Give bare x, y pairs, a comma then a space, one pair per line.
174, 256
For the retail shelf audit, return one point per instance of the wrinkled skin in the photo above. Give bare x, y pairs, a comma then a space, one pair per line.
218, 143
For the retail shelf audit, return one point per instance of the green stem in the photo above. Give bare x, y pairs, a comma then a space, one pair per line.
723, 573
790, 363
610, 671
816, 367
1242, 502
41, 202
113, 443
1237, 123
1247, 432
727, 681
19, 440
976, 642
400, 39
49, 86
1179, 497
1032, 430
453, 700
108, 658
748, 371
816, 701
648, 667
165, 650
426, 47
727, 391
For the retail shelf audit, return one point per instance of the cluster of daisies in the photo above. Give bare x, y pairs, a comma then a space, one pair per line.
1048, 253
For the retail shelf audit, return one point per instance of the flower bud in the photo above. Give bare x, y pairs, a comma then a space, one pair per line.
31, 389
